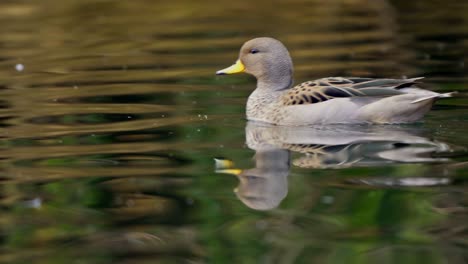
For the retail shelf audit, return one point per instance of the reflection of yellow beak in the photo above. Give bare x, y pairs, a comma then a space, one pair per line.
222, 163
236, 68
235, 172
226, 166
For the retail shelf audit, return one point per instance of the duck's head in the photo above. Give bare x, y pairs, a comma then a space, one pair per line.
267, 59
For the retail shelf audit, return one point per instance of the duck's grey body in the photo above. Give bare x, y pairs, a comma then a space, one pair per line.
324, 101
403, 108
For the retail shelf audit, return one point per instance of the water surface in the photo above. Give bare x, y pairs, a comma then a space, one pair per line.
112, 120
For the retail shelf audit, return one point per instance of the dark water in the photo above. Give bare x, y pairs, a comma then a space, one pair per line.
111, 119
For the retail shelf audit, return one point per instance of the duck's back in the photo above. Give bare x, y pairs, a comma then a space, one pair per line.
324, 89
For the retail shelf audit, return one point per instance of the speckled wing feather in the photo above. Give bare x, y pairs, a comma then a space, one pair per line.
335, 87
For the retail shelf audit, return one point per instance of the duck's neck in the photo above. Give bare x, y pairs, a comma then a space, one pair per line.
276, 81
270, 88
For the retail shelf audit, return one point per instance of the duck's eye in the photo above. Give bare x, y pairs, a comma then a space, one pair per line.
253, 51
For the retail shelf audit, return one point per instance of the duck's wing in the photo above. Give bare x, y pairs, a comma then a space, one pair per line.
324, 89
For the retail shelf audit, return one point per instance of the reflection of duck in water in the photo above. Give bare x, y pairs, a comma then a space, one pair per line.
265, 186
327, 100
347, 145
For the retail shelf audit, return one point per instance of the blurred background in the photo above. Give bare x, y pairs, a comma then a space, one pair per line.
111, 118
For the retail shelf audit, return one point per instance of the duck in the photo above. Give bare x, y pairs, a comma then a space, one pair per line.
330, 100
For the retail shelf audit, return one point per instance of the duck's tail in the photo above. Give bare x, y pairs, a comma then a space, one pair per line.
444, 95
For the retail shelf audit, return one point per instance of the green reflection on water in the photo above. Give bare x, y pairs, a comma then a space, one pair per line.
109, 132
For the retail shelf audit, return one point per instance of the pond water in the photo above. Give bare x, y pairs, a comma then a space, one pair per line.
120, 145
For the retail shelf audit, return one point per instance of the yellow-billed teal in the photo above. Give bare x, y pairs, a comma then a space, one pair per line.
327, 100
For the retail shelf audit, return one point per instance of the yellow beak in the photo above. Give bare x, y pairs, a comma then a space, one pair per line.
236, 68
